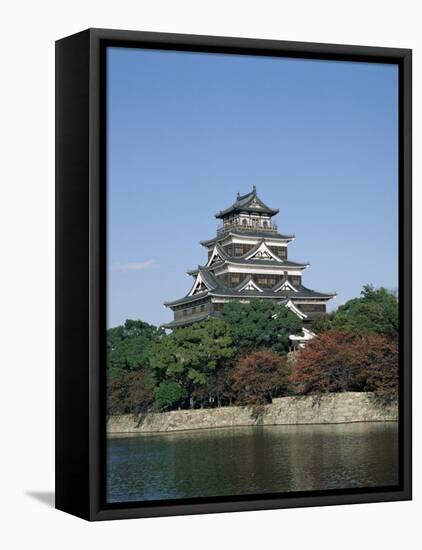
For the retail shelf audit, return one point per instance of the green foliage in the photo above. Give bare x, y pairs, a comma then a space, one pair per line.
240, 357
261, 324
129, 346
323, 323
190, 355
167, 394
376, 311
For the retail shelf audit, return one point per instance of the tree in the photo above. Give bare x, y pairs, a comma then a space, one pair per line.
128, 346
190, 356
167, 394
381, 369
130, 392
339, 361
376, 311
261, 324
260, 376
218, 390
322, 323
328, 363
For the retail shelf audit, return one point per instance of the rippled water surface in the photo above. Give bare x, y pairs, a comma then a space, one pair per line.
234, 461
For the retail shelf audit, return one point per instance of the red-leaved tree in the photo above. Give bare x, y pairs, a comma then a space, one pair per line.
339, 361
259, 376
381, 364
130, 392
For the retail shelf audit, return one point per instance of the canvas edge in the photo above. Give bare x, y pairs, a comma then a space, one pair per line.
92, 507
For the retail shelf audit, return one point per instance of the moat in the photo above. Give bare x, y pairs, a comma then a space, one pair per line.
248, 460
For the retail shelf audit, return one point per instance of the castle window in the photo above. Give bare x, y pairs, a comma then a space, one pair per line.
235, 279
295, 280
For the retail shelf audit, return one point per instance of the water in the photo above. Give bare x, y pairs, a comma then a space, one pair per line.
261, 459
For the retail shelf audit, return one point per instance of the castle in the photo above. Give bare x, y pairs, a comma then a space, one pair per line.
247, 259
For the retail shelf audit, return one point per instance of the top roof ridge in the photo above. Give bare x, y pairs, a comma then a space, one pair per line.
242, 202
241, 197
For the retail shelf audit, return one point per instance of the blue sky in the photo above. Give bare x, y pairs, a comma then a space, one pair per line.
187, 131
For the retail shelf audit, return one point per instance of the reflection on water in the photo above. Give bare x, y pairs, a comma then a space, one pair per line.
235, 461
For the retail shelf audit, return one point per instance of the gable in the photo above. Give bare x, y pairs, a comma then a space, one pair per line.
255, 204
250, 285
286, 285
262, 253
215, 257
199, 286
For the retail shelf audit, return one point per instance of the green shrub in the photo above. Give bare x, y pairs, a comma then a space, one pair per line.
167, 394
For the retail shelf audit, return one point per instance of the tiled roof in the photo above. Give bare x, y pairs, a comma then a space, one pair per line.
265, 235
187, 321
272, 263
216, 288
301, 293
243, 204
241, 261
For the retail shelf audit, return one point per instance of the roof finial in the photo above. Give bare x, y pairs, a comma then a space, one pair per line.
254, 188
238, 195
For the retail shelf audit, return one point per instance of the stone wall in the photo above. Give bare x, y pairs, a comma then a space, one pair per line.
331, 408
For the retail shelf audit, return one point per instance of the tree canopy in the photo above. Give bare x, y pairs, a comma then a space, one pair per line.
339, 361
129, 345
131, 392
261, 324
167, 394
189, 356
260, 376
241, 357
376, 310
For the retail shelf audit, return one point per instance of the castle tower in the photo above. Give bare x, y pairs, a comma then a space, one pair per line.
247, 259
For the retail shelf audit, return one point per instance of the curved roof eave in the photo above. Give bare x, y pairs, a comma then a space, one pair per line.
248, 234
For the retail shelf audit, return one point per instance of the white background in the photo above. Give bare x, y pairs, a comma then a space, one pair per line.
29, 29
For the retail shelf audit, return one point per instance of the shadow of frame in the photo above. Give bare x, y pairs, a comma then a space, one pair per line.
45, 497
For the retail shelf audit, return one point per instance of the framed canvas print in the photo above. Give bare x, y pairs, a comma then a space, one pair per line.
277, 176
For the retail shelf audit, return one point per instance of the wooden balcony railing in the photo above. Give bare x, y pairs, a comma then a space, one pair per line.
270, 228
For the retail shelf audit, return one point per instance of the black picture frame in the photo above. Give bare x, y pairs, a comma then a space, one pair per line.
80, 271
